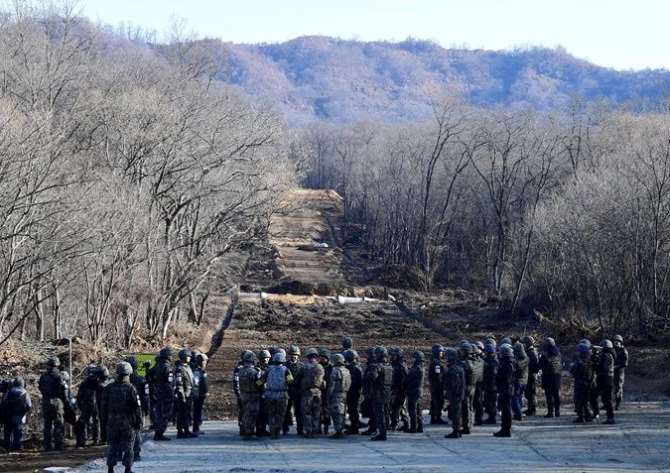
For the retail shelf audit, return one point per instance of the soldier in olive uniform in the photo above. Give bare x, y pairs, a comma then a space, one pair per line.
366, 405
324, 359
311, 384
142, 389
250, 394
183, 391
354, 393
552, 368
490, 389
16, 404
533, 370
605, 378
54, 398
466, 351
620, 365
478, 370
505, 388
264, 358
164, 386
435, 381
455, 389
87, 402
414, 391
338, 387
276, 380
399, 419
200, 390
520, 379
582, 372
294, 404
382, 379
122, 410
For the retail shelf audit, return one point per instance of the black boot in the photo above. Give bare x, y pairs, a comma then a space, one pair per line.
454, 435
502, 433
110, 469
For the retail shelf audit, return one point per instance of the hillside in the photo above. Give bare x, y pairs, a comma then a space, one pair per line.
336, 80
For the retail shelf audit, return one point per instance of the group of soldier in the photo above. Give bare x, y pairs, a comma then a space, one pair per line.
477, 382
112, 410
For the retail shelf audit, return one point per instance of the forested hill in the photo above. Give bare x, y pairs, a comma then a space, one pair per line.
344, 81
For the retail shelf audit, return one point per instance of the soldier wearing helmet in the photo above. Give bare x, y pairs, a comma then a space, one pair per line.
605, 378
338, 387
324, 359
354, 393
489, 383
466, 352
505, 388
455, 389
142, 389
294, 407
236, 385
366, 405
275, 381
184, 394
311, 384
121, 410
435, 381
414, 391
347, 343
163, 380
381, 379
54, 398
249, 394
620, 365
16, 405
87, 402
200, 389
551, 367
264, 360
399, 420
533, 369
582, 372
478, 369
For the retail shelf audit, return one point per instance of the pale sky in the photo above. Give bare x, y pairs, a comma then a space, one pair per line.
623, 34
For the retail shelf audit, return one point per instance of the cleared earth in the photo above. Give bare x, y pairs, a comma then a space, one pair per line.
639, 442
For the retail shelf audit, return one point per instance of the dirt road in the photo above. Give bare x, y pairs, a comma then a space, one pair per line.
638, 443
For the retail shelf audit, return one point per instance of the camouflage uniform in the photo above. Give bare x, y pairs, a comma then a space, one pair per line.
620, 365
142, 389
381, 378
276, 379
311, 383
16, 404
183, 391
250, 397
354, 394
467, 411
367, 390
582, 372
533, 370
490, 390
89, 420
605, 379
200, 390
455, 389
324, 356
398, 412
294, 403
521, 363
338, 387
164, 386
478, 370
53, 406
414, 390
122, 411
505, 388
435, 381
551, 367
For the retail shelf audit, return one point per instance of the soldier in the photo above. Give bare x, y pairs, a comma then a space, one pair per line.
582, 372
294, 404
164, 385
347, 344
354, 393
505, 388
338, 387
381, 379
200, 390
104, 379
605, 378
183, 394
151, 382
54, 398
264, 358
414, 390
311, 383
368, 388
16, 404
490, 387
533, 370
620, 365
122, 410
455, 388
87, 401
435, 370
466, 353
324, 359
552, 368
478, 370
249, 394
398, 396
276, 380
521, 363
236, 387
142, 389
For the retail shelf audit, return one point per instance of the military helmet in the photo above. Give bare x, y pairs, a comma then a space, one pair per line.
585, 341
506, 350
350, 355
91, 370
324, 352
397, 352
279, 357
202, 358
618, 338
184, 354
132, 361
19, 382
506, 341
451, 354
103, 372
489, 348
465, 347
294, 350
347, 343
583, 348
418, 356
310, 352
479, 345
437, 349
124, 369
280, 350
248, 356
338, 359
165, 353
607, 344
370, 352
381, 353
273, 349
53, 362
264, 354
528, 340
550, 342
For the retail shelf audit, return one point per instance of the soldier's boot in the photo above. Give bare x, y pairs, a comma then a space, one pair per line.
369, 432
549, 415
529, 411
161, 437
190, 435
137, 457
609, 421
503, 433
465, 431
110, 469
128, 470
454, 435
557, 412
379, 438
618, 404
518, 418
437, 421
337, 435
352, 431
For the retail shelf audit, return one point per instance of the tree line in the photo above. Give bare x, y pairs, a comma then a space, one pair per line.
565, 214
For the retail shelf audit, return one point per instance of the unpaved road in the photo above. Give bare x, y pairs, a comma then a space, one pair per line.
638, 443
